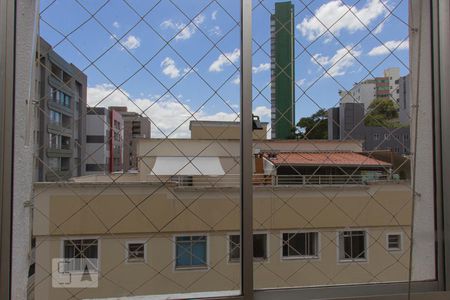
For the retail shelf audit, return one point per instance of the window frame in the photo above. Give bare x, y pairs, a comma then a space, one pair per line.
67, 238
255, 259
400, 242
127, 257
204, 267
352, 260
300, 257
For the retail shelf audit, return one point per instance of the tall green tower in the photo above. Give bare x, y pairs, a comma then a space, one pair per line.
282, 70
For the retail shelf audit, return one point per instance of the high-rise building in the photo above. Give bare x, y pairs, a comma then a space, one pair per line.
104, 141
282, 70
386, 86
134, 126
59, 113
393, 77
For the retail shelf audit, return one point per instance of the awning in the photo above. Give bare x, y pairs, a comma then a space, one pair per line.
189, 166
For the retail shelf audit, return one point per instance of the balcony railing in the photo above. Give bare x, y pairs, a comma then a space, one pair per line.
282, 180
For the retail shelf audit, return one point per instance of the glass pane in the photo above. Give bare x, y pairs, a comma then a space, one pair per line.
138, 107
333, 174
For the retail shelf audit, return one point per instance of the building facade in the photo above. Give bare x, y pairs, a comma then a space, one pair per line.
363, 92
282, 71
223, 130
59, 114
387, 87
346, 122
135, 126
104, 141
164, 248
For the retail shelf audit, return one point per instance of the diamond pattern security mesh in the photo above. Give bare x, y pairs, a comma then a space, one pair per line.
137, 146
334, 230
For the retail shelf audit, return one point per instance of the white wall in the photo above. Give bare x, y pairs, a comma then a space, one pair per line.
23, 146
423, 258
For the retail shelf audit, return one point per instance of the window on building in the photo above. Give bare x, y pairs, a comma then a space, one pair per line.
79, 254
394, 242
55, 117
376, 136
300, 244
259, 247
136, 252
352, 245
54, 141
191, 251
65, 163
95, 167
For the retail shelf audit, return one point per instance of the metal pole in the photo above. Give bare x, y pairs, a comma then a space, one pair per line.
7, 49
246, 151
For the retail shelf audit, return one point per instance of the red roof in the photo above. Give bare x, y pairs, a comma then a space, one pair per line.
350, 159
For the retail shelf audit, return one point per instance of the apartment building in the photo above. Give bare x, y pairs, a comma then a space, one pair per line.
282, 36
104, 141
59, 116
134, 126
364, 92
347, 122
339, 226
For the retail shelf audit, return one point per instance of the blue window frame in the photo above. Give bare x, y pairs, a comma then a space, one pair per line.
191, 251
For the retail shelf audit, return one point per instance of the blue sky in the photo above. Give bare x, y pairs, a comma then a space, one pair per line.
202, 53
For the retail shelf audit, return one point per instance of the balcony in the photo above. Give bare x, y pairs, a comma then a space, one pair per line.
233, 180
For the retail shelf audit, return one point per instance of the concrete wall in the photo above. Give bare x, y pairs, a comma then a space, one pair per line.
222, 131
23, 147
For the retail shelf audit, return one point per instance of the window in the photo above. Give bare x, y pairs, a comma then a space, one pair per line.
303, 244
352, 245
259, 247
136, 252
80, 254
394, 242
190, 251
54, 141
376, 136
55, 117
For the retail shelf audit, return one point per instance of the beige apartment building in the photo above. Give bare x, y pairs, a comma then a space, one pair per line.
173, 227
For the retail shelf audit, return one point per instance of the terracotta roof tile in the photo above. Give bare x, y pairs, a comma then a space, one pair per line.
324, 159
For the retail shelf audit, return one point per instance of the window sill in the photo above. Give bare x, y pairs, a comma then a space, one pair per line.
191, 268
353, 260
298, 257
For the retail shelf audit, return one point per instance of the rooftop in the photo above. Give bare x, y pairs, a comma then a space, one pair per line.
348, 159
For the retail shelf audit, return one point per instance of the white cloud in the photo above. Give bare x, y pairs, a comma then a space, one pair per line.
301, 82
185, 31
116, 24
225, 60
214, 15
335, 16
389, 46
261, 68
132, 42
216, 31
236, 80
339, 63
166, 114
169, 68
379, 28
262, 112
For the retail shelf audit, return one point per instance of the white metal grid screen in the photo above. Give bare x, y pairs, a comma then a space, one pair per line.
139, 186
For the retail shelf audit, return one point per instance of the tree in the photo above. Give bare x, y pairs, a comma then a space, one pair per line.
314, 127
382, 112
